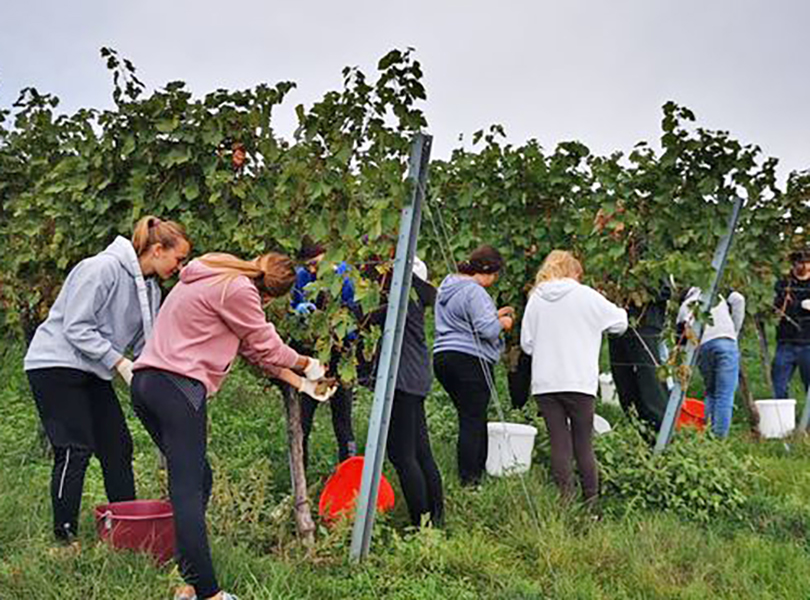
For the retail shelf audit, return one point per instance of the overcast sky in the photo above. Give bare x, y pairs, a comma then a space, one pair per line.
596, 71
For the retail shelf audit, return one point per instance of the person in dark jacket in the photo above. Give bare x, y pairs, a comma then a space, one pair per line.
106, 307
408, 445
466, 347
634, 357
792, 303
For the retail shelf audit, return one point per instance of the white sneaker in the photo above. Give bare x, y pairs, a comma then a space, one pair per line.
185, 593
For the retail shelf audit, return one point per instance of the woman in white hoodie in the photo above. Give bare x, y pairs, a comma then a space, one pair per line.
718, 354
562, 331
106, 306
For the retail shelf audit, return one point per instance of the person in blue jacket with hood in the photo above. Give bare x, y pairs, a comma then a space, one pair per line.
466, 347
303, 303
106, 306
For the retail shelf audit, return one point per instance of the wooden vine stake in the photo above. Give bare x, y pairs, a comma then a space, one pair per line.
304, 524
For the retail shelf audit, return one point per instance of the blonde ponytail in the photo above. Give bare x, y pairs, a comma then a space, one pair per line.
559, 264
150, 230
272, 273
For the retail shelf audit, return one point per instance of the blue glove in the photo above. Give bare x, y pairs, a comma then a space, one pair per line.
304, 308
342, 268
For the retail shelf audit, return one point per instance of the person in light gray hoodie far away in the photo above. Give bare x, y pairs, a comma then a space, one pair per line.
106, 306
466, 347
562, 331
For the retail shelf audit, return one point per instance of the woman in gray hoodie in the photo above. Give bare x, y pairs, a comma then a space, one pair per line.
106, 306
466, 347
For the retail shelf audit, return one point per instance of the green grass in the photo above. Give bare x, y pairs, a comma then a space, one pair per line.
492, 546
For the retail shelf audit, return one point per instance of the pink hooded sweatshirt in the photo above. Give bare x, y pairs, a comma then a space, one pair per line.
197, 333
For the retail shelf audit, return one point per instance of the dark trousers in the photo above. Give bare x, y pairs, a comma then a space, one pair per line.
789, 356
558, 410
341, 407
81, 416
462, 377
179, 430
634, 373
409, 451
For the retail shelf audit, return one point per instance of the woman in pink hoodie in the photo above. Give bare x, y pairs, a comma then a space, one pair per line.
214, 313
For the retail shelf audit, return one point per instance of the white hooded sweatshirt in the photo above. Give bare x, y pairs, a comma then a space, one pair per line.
562, 331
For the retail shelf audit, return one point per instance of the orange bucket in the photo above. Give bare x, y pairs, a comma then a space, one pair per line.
693, 414
340, 492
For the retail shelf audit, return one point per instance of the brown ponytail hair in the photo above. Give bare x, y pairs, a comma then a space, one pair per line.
484, 259
273, 273
150, 230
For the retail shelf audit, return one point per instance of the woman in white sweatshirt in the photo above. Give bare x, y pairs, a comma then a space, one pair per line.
718, 354
562, 331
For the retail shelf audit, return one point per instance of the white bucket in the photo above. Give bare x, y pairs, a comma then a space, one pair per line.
510, 448
607, 389
600, 425
777, 418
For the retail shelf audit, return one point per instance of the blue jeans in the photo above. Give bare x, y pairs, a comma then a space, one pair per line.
719, 363
787, 357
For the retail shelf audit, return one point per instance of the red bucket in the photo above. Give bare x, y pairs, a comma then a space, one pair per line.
140, 525
340, 492
693, 414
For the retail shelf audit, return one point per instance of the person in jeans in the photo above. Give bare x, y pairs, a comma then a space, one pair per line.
408, 446
466, 346
718, 355
303, 303
792, 303
105, 308
213, 313
562, 331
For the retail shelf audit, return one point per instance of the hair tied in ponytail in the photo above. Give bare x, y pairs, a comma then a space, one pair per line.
150, 230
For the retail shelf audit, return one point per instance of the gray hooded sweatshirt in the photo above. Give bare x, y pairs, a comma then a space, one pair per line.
104, 308
464, 307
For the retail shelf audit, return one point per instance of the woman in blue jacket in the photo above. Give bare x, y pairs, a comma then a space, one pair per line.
106, 306
466, 347
303, 303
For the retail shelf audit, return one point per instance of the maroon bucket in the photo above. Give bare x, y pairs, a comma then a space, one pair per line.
140, 525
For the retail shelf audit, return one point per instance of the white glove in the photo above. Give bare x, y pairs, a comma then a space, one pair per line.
806, 304
124, 368
308, 387
314, 370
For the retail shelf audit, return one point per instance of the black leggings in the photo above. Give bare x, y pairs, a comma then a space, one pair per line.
632, 363
341, 406
409, 452
81, 416
179, 430
462, 376
569, 420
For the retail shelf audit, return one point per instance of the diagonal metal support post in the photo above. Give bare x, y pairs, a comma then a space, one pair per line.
706, 302
388, 365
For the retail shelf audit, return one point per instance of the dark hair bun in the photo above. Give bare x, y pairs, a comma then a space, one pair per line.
484, 259
802, 255
310, 249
